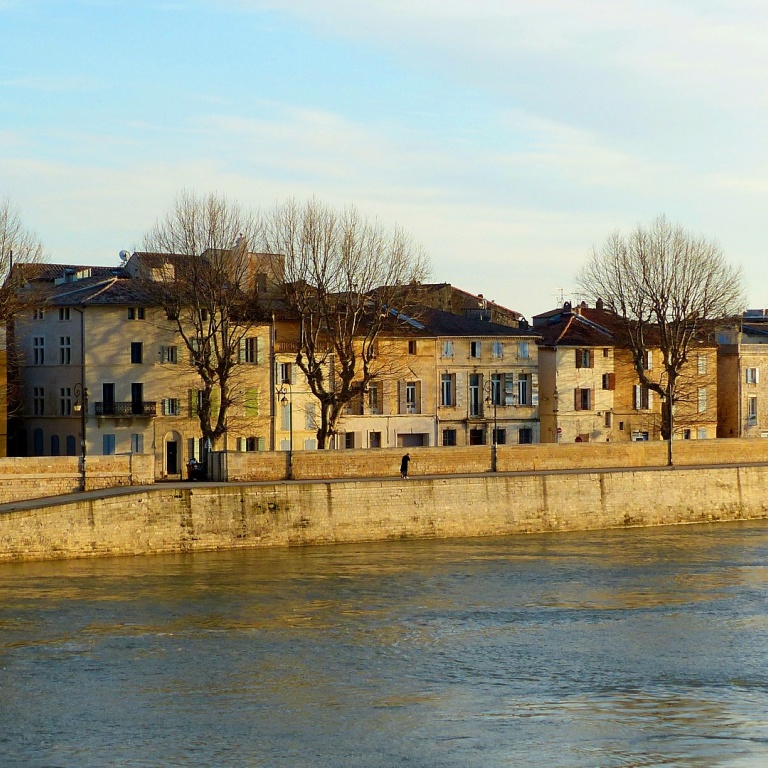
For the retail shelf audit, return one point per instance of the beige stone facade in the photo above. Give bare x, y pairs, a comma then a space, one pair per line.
742, 372
141, 390
591, 392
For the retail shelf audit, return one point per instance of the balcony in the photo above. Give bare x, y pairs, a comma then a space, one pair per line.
127, 410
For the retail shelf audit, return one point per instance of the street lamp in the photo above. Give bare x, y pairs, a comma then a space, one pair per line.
493, 388
285, 393
81, 407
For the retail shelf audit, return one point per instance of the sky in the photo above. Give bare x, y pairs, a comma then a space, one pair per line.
508, 137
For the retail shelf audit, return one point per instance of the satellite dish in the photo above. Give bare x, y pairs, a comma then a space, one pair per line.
124, 255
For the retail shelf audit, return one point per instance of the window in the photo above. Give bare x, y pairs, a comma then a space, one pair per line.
137, 352
475, 398
524, 389
582, 400
64, 313
496, 389
374, 439
65, 350
135, 313
55, 445
702, 398
251, 444
585, 358
500, 436
137, 443
609, 381
171, 407
38, 314
447, 349
752, 410
608, 419
642, 397
65, 401
498, 349
525, 435
169, 355
249, 350
286, 373
447, 390
412, 347
38, 348
474, 349
38, 401
701, 433
686, 434
373, 398
606, 352
648, 360
702, 364
449, 437
410, 397
108, 445
349, 440
753, 376
71, 445
523, 350
476, 437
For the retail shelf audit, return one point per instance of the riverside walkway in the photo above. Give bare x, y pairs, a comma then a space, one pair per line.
52, 501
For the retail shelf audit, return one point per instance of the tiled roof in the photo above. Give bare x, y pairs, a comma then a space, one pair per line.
440, 323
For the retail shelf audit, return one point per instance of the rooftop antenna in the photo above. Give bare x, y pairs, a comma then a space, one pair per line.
560, 297
124, 256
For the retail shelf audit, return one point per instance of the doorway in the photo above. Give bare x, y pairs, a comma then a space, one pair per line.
172, 457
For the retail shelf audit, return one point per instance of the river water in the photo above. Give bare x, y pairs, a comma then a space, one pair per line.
619, 648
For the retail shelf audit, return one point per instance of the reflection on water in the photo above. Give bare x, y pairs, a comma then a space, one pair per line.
625, 648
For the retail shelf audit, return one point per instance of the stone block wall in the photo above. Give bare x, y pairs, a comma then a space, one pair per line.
199, 517
44, 476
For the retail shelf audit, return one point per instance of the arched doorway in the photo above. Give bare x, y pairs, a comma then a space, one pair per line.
172, 455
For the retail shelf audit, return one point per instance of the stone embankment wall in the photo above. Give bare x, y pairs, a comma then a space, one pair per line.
324, 465
196, 517
34, 478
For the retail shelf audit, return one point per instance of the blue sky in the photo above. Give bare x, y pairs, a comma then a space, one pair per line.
508, 137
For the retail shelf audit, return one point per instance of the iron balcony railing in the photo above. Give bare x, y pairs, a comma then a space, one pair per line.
138, 408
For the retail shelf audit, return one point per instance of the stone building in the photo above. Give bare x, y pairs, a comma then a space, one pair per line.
742, 393
590, 390
449, 379
101, 366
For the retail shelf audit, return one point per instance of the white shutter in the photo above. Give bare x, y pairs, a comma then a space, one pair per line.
461, 390
636, 396
650, 399
757, 375
241, 351
259, 350
535, 390
240, 444
509, 389
401, 404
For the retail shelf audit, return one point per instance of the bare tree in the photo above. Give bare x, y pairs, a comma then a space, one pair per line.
346, 278
18, 246
207, 280
667, 285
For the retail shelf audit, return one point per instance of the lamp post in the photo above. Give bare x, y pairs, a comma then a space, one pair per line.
81, 407
492, 399
285, 393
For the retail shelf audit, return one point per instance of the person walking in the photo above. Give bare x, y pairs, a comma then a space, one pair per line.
404, 466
